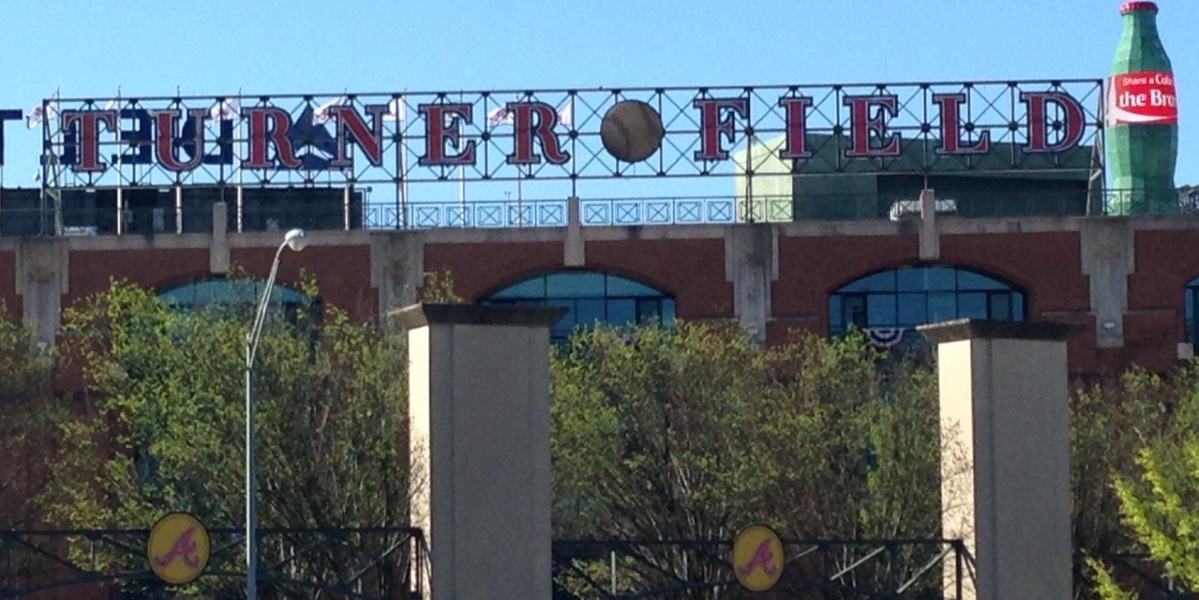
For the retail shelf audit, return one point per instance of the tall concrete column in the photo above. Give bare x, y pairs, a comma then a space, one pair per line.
42, 279
218, 252
930, 236
1108, 258
478, 388
1006, 468
751, 264
574, 251
397, 268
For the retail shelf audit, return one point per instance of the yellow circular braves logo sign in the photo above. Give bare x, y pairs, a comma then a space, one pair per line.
178, 548
758, 558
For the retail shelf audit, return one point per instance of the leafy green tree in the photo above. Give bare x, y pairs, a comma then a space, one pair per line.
689, 433
165, 425
694, 433
1110, 422
1158, 490
28, 416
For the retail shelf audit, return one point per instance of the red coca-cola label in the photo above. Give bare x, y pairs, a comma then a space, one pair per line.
1144, 97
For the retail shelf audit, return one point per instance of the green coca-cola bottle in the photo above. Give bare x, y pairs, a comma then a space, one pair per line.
1141, 118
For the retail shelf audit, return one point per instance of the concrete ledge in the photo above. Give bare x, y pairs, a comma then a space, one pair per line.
984, 329
422, 315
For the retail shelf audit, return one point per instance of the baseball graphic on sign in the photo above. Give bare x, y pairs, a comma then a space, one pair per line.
758, 558
178, 548
632, 131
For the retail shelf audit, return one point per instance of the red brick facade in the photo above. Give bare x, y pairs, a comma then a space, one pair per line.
695, 267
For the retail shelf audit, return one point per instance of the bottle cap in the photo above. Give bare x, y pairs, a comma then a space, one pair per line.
1128, 7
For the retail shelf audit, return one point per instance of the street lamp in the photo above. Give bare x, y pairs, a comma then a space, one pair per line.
295, 239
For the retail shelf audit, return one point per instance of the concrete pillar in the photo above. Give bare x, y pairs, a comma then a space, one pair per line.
1108, 258
42, 279
930, 237
218, 252
478, 386
397, 268
1006, 465
574, 250
751, 264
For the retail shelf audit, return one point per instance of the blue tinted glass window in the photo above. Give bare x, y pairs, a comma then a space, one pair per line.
910, 296
229, 291
834, 313
589, 311
649, 309
968, 280
940, 279
619, 286
563, 328
1000, 306
574, 285
911, 280
972, 305
1190, 302
667, 312
912, 310
590, 297
879, 282
855, 312
942, 306
529, 288
880, 310
622, 311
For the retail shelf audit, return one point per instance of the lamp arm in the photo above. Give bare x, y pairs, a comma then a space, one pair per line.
255, 334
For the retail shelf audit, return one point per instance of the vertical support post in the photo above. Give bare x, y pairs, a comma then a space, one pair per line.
1005, 464
478, 385
751, 264
178, 208
122, 225
930, 240
251, 532
218, 252
574, 250
749, 181
613, 567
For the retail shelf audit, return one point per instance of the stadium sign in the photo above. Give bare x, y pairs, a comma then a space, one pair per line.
573, 134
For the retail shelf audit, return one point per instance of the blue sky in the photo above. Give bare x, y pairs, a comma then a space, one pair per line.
88, 49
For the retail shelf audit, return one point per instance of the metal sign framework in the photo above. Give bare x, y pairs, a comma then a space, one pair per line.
844, 128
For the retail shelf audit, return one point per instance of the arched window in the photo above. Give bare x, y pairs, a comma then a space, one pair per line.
1192, 305
890, 304
199, 294
590, 297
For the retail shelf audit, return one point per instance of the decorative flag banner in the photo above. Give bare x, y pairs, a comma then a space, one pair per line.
321, 115
885, 337
225, 110
40, 113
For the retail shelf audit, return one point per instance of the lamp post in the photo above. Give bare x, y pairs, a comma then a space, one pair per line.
295, 239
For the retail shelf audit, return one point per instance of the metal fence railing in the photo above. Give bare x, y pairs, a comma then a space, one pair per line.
362, 563
915, 569
31, 215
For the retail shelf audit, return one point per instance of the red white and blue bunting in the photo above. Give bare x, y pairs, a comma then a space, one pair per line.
885, 337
